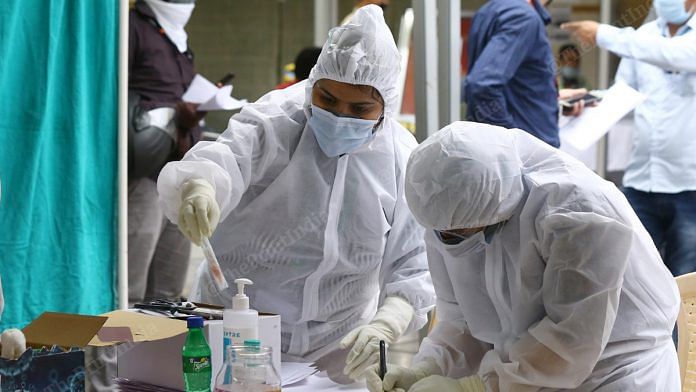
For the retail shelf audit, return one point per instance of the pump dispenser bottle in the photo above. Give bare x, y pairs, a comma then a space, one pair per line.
239, 323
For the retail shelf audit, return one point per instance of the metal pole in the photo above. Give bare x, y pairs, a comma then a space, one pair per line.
602, 146
123, 154
426, 84
404, 45
449, 71
325, 17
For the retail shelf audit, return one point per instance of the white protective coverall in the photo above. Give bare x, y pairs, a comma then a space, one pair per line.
325, 240
568, 294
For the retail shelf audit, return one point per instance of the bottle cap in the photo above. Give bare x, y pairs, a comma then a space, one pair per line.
252, 343
194, 322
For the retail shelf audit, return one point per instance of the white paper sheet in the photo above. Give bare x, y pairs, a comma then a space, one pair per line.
210, 97
294, 372
584, 131
321, 382
621, 144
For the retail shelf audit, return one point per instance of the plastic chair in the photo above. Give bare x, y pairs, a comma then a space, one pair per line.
686, 330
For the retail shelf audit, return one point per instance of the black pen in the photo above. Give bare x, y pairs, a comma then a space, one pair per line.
382, 359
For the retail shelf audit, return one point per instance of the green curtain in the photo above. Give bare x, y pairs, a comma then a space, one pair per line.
58, 138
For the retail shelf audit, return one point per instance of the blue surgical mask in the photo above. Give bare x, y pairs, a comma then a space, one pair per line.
340, 135
672, 11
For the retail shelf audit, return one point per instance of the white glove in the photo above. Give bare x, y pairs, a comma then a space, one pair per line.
399, 378
199, 213
389, 323
440, 383
14, 344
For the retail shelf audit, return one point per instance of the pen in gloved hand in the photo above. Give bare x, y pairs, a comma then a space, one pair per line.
382, 359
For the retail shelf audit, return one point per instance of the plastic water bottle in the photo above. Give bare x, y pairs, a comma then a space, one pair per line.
196, 358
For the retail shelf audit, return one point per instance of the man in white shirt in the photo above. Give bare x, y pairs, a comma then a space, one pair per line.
659, 60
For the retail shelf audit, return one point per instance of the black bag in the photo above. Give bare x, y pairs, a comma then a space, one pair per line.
151, 138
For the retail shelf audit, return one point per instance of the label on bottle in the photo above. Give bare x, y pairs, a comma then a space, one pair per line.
197, 364
237, 336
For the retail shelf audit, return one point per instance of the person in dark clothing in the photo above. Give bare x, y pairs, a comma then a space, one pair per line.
161, 128
161, 68
511, 80
304, 62
570, 75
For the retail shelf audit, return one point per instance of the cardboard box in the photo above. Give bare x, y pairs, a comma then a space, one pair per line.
149, 347
158, 361
44, 368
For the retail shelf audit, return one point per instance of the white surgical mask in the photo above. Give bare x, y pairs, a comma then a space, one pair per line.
173, 17
672, 11
340, 135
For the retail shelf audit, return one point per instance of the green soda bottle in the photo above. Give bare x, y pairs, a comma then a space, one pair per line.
196, 357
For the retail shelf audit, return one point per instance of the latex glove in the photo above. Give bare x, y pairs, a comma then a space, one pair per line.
440, 383
399, 378
14, 344
389, 323
199, 213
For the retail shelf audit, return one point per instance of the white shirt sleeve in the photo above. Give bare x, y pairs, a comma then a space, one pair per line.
675, 53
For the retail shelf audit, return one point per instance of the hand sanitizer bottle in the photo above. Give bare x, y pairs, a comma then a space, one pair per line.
239, 323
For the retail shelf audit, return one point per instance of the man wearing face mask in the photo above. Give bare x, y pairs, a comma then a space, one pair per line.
660, 181
361, 3
545, 278
162, 128
569, 72
307, 184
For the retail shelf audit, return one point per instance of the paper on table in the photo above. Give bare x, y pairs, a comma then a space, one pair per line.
583, 131
294, 372
210, 97
321, 382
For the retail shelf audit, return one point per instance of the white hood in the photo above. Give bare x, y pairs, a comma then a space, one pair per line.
361, 52
470, 175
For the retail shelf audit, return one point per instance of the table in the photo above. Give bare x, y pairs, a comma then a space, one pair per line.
321, 382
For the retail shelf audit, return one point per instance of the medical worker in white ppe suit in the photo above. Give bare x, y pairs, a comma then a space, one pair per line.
308, 185
545, 278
